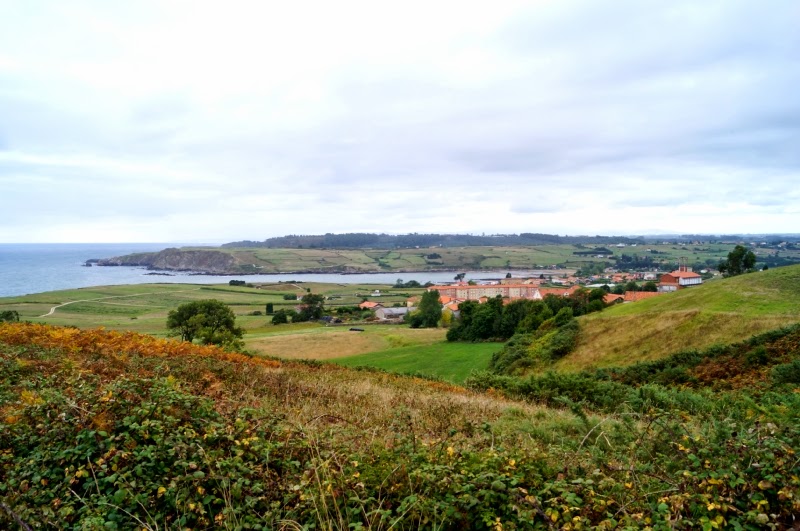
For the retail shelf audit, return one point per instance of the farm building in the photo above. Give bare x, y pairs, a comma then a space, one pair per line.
682, 278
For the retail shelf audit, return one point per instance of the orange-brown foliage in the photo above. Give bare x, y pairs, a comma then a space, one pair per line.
113, 343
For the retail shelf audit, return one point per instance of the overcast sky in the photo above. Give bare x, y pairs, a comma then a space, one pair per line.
192, 121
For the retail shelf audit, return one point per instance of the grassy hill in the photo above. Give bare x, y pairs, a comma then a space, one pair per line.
718, 312
245, 260
117, 430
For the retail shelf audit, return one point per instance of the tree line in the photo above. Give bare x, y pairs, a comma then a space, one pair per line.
494, 320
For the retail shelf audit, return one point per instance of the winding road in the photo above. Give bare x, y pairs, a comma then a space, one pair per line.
54, 308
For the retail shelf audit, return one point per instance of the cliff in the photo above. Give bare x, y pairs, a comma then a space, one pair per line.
199, 261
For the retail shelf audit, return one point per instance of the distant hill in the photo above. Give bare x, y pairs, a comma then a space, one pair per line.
389, 241
718, 312
364, 240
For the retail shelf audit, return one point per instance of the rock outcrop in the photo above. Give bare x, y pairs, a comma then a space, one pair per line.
198, 261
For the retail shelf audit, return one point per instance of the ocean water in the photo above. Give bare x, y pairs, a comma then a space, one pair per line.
35, 268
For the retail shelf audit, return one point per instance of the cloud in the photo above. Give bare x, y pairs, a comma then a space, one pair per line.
253, 119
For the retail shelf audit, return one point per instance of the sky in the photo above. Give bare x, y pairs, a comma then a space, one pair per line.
196, 121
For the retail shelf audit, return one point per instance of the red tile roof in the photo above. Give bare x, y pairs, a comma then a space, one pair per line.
633, 296
684, 274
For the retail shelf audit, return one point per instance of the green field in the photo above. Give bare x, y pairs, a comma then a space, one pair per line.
563, 256
718, 312
144, 307
450, 361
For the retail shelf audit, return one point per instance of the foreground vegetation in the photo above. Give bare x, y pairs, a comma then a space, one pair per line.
123, 431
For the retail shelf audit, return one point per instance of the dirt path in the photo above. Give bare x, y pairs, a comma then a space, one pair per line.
54, 308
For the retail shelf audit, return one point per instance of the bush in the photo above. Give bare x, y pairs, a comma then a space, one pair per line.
787, 373
9, 316
541, 348
757, 357
283, 316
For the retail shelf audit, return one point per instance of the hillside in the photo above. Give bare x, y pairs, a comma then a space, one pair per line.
498, 256
718, 312
123, 431
241, 261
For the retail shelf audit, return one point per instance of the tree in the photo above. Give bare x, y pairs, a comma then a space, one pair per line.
650, 286
9, 316
739, 261
283, 316
270, 308
312, 308
429, 311
210, 321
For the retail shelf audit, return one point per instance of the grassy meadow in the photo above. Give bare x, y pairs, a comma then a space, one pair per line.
144, 307
717, 312
453, 362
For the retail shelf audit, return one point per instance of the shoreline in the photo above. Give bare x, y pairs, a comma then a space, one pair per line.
154, 271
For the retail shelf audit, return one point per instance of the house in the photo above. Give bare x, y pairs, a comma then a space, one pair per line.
465, 292
451, 308
611, 298
633, 296
392, 313
369, 305
559, 292
679, 279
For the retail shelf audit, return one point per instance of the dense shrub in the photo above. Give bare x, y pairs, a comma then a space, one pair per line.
555, 338
787, 372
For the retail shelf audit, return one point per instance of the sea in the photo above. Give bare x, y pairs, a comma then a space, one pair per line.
27, 268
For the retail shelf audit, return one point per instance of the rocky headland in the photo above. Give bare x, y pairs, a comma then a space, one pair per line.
199, 261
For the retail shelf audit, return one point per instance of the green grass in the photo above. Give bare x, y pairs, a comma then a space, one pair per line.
450, 361
718, 312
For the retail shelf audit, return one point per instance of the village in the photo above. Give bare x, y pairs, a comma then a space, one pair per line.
622, 287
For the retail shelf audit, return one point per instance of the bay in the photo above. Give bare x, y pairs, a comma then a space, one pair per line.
36, 268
